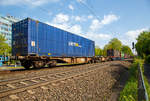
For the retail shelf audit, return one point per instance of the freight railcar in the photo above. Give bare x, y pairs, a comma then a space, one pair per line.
116, 55
113, 54
38, 44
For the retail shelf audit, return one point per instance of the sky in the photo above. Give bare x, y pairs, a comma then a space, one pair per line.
98, 20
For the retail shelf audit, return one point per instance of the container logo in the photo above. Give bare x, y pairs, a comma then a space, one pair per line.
32, 43
49, 53
74, 44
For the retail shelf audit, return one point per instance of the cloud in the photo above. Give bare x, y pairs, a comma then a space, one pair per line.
61, 18
131, 35
62, 21
26, 2
81, 1
96, 24
71, 7
10, 2
109, 19
100, 38
79, 18
76, 29
90, 16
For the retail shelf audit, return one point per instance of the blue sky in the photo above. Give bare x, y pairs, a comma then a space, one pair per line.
99, 20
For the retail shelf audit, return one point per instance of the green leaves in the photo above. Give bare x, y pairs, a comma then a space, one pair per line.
143, 44
98, 51
5, 49
117, 45
113, 44
126, 49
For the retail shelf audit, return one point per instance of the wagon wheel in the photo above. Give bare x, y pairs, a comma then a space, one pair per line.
26, 64
38, 64
52, 63
89, 61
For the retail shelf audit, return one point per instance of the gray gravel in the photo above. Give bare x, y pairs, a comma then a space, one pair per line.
94, 86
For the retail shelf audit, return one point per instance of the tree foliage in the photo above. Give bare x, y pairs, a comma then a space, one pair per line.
143, 44
98, 51
5, 49
126, 49
117, 45
114, 44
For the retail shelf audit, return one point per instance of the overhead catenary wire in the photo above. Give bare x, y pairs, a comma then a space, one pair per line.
82, 3
90, 10
41, 8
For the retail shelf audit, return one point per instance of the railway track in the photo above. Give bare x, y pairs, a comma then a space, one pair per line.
9, 87
42, 71
32, 72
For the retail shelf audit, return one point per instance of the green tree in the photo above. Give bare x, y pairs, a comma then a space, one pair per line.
117, 45
143, 44
98, 51
113, 44
5, 49
105, 50
126, 49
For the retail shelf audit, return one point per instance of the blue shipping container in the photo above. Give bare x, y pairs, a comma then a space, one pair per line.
33, 37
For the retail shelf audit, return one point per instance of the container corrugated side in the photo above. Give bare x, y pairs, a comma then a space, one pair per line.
20, 38
51, 41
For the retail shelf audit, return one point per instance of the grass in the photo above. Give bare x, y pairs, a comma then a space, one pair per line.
129, 92
147, 86
145, 79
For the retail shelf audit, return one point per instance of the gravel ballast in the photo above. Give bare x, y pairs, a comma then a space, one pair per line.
94, 86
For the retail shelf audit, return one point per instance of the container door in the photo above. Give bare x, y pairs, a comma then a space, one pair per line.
32, 37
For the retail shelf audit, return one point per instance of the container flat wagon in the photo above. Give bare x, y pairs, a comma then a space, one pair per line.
38, 44
116, 55
113, 54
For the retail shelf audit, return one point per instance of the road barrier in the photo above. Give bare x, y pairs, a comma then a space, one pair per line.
142, 92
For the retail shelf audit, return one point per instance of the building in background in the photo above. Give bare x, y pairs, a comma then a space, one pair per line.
6, 27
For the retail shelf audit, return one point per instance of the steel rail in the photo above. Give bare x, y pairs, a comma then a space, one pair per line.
46, 82
34, 76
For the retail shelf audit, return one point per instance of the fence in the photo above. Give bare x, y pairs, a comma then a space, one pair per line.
142, 93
